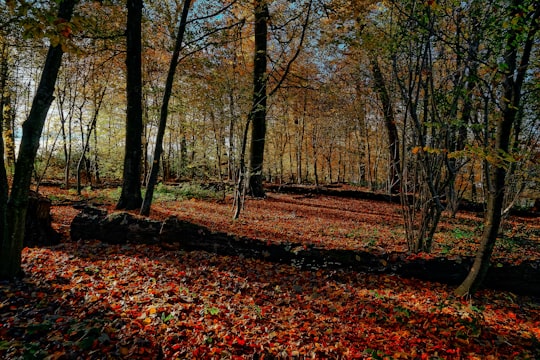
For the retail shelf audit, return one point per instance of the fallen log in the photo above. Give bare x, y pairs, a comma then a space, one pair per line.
176, 234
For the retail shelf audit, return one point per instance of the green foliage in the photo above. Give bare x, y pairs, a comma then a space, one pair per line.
258, 311
473, 323
186, 191
460, 234
375, 354
166, 318
210, 310
368, 237
33, 351
39, 327
402, 314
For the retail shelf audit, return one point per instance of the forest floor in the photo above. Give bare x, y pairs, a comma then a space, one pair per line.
90, 300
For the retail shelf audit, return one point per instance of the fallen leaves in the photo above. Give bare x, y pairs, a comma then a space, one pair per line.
89, 300
138, 302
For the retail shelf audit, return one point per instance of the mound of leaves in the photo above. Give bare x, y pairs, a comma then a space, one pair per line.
88, 300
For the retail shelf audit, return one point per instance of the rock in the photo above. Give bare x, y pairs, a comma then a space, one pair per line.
123, 227
116, 228
86, 225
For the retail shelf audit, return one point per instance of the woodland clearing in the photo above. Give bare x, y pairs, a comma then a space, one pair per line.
91, 300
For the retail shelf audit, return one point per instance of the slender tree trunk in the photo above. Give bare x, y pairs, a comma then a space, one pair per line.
300, 132
14, 214
8, 130
231, 172
240, 188
86, 145
315, 168
67, 153
145, 208
492, 218
219, 139
258, 110
509, 105
4, 186
390, 123
131, 198
96, 158
4, 104
459, 139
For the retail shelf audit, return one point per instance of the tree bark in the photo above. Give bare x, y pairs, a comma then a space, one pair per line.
258, 109
13, 214
145, 208
131, 197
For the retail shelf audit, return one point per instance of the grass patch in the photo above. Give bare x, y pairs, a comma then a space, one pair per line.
463, 234
187, 191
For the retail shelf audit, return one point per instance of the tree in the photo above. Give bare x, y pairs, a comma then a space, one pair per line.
131, 197
145, 209
390, 123
13, 206
521, 37
257, 115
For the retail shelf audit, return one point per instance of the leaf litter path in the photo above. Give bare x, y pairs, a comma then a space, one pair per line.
94, 301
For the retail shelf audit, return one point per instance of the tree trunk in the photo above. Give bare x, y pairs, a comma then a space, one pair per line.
231, 167
492, 220
145, 208
391, 128
96, 159
4, 185
130, 197
7, 109
258, 109
38, 229
66, 148
509, 105
86, 142
13, 214
240, 188
300, 132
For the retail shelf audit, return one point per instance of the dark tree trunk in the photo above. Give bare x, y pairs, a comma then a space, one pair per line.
509, 105
39, 231
130, 197
13, 214
258, 110
536, 205
145, 209
391, 128
4, 186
